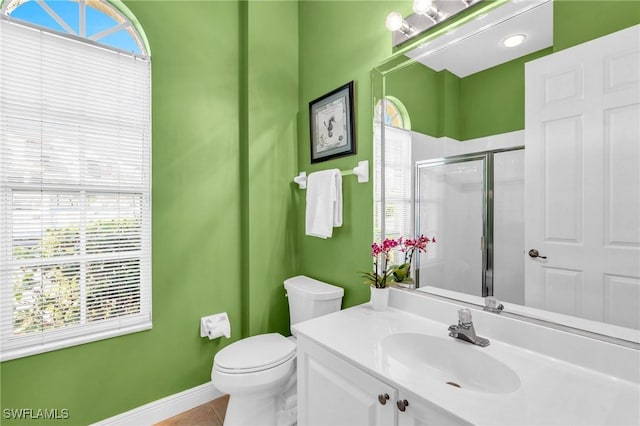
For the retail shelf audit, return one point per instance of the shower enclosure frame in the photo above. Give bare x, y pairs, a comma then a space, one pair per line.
486, 241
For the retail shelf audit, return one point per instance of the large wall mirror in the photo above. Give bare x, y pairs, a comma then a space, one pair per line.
522, 158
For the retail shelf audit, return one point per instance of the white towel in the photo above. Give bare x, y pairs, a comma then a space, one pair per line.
324, 203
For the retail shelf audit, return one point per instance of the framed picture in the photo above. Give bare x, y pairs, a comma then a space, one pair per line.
331, 124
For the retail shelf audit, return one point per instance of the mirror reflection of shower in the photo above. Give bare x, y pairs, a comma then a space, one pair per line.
474, 203
470, 196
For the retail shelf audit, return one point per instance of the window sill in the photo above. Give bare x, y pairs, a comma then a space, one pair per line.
72, 341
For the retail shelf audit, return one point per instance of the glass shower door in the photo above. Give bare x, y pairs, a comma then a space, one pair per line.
508, 226
450, 205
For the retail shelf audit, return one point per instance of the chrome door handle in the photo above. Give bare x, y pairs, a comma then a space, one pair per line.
535, 253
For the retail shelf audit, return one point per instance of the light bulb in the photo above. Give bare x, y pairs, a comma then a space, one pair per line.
421, 7
394, 21
513, 40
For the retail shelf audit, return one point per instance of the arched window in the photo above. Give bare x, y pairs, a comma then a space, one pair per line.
397, 163
395, 114
93, 20
75, 176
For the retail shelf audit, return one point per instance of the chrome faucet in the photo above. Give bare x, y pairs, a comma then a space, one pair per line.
465, 331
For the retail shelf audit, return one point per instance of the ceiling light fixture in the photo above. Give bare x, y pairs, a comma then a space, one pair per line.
395, 22
426, 8
514, 40
427, 13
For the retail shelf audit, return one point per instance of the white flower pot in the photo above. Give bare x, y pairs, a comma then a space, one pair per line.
379, 298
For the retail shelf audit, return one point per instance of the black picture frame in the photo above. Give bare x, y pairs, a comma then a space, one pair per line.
331, 124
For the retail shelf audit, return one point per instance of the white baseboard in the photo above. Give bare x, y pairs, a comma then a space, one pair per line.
164, 408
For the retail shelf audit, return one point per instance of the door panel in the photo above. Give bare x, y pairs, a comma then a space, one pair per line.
621, 295
621, 168
563, 290
562, 148
582, 197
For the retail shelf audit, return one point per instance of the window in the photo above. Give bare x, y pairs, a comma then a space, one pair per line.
92, 20
395, 113
398, 170
75, 235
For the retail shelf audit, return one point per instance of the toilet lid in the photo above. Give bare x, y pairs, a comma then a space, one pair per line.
255, 353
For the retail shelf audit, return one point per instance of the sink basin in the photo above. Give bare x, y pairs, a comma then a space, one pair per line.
414, 357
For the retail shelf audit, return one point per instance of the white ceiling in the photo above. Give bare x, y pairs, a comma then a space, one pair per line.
477, 45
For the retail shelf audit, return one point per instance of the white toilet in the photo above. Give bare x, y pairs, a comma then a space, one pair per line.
259, 372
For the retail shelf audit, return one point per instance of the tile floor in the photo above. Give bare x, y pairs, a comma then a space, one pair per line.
210, 414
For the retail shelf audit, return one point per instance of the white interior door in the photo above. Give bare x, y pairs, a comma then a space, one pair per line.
582, 196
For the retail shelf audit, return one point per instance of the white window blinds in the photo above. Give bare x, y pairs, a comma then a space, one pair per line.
75, 235
398, 185
398, 182
398, 189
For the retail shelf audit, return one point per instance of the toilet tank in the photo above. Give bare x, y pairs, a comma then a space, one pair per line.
309, 298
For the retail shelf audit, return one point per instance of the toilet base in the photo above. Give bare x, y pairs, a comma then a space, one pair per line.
249, 410
260, 409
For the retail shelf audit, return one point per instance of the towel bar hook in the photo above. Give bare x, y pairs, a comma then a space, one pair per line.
301, 180
361, 171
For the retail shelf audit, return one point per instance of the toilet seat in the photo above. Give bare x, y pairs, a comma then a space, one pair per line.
254, 354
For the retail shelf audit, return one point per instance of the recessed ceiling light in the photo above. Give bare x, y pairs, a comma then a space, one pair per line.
514, 40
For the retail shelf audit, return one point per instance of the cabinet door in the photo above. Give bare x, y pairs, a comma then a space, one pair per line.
420, 413
333, 392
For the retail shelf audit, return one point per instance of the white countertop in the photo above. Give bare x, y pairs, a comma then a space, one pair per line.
552, 391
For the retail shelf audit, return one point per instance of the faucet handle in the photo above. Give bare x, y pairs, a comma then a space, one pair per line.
464, 316
492, 304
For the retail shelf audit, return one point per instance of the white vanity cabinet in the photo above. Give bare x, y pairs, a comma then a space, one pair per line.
421, 413
334, 392
347, 359
331, 391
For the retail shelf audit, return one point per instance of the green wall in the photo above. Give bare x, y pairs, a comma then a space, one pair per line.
451, 102
272, 59
577, 21
231, 86
341, 41
416, 78
482, 104
224, 91
492, 101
